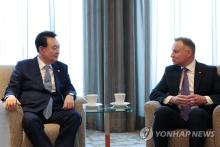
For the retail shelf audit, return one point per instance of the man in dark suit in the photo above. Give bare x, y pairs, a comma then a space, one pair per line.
43, 88
191, 110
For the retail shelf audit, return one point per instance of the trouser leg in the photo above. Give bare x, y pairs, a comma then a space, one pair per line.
69, 121
34, 128
199, 122
165, 119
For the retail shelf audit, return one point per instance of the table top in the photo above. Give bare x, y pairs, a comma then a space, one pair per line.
107, 108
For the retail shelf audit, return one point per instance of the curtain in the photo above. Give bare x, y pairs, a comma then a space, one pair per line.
115, 58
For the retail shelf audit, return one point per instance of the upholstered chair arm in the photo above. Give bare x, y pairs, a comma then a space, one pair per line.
149, 109
80, 137
79, 102
216, 125
14, 119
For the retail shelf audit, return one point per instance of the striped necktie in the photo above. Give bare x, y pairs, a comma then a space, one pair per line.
48, 85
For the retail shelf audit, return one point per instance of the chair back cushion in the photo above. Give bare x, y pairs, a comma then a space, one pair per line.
5, 74
218, 70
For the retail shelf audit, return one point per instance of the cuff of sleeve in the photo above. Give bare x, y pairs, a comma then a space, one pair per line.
167, 99
72, 94
4, 98
209, 100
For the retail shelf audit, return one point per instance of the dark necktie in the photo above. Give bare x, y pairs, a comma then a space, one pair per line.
48, 85
184, 110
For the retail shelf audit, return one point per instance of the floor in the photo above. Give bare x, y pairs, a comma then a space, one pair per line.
130, 139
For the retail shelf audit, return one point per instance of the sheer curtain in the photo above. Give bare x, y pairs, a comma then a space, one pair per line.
22, 20
68, 24
196, 19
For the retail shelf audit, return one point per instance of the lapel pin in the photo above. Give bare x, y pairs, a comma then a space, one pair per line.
200, 72
58, 70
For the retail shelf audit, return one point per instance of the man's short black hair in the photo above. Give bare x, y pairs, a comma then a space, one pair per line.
41, 39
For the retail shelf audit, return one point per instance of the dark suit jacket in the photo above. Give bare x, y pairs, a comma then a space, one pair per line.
27, 85
206, 83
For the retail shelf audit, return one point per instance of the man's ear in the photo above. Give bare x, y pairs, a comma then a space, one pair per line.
189, 51
41, 48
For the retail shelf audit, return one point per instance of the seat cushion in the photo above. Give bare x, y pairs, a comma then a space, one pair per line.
52, 131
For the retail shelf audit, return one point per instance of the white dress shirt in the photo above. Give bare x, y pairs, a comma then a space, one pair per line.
42, 71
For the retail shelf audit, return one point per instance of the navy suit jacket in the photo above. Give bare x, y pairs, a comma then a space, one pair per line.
206, 83
27, 85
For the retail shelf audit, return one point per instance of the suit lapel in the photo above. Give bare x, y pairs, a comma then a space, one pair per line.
176, 77
197, 77
56, 72
36, 73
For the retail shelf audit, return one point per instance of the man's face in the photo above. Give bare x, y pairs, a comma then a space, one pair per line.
50, 53
181, 54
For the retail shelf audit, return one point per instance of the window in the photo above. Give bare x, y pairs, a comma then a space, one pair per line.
69, 27
22, 20
195, 19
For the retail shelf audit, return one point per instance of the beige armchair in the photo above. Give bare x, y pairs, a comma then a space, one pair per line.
150, 108
16, 136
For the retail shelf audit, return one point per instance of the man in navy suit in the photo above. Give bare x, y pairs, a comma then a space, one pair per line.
27, 88
203, 95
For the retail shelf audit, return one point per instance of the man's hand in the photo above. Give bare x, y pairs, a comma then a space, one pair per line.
11, 103
69, 102
197, 100
190, 100
180, 100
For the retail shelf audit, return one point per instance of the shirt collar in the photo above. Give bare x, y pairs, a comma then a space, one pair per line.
191, 66
41, 63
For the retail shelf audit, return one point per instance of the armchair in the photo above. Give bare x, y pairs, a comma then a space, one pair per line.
150, 108
17, 137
